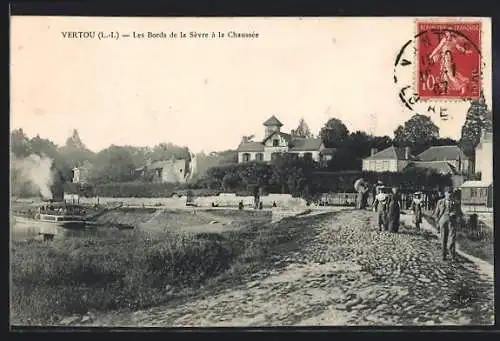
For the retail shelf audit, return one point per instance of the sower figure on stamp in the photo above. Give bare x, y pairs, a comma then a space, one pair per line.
448, 216
393, 210
416, 207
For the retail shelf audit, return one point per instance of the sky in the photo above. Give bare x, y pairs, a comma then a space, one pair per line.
207, 93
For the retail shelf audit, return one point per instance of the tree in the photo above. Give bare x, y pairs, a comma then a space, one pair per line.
167, 151
334, 133
19, 143
74, 141
444, 141
113, 164
355, 147
302, 130
74, 152
418, 132
478, 117
380, 142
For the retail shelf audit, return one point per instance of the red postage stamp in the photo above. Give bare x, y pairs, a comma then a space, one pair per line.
448, 60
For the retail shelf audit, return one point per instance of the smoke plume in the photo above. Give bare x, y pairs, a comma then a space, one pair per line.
32, 175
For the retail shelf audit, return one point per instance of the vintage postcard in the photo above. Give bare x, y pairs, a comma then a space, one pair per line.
187, 172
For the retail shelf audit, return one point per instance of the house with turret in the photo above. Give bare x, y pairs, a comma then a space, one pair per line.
276, 142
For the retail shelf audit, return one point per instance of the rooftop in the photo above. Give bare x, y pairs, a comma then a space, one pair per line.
272, 121
304, 144
442, 153
442, 167
251, 146
476, 183
390, 153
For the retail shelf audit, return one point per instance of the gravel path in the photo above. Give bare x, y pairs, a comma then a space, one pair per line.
347, 274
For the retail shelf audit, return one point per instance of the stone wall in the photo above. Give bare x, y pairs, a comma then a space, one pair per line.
223, 200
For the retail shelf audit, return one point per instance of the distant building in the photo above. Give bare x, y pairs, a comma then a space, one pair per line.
81, 173
484, 156
276, 142
446, 158
443, 159
172, 171
478, 195
391, 159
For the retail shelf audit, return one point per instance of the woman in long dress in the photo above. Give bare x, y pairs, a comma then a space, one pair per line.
379, 206
393, 211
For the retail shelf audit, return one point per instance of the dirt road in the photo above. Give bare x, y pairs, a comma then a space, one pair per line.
348, 273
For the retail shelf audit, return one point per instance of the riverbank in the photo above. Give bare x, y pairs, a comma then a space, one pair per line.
133, 270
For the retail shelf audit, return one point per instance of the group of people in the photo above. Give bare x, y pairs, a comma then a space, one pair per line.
387, 204
447, 213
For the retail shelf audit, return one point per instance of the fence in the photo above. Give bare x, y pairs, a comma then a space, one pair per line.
338, 199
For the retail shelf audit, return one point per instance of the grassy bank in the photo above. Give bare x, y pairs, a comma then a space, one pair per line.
75, 276
477, 242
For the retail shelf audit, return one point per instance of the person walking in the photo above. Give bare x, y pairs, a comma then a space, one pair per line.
416, 207
393, 210
379, 206
448, 215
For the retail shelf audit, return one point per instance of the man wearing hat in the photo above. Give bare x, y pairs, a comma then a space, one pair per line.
448, 216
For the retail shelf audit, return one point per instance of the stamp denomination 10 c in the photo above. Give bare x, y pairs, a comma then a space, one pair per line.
448, 60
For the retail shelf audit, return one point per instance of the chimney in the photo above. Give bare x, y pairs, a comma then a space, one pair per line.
407, 153
373, 151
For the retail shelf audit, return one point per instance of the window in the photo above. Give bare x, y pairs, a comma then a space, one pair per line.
259, 157
308, 156
180, 170
385, 165
246, 157
276, 143
473, 192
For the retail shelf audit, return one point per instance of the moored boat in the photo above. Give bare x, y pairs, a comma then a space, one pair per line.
51, 218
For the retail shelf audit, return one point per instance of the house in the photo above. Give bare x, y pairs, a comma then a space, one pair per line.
444, 156
391, 159
81, 173
171, 171
442, 159
276, 142
484, 156
477, 196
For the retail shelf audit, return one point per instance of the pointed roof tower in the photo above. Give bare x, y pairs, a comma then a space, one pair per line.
272, 122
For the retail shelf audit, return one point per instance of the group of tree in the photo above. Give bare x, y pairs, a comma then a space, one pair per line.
303, 177
112, 164
285, 174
